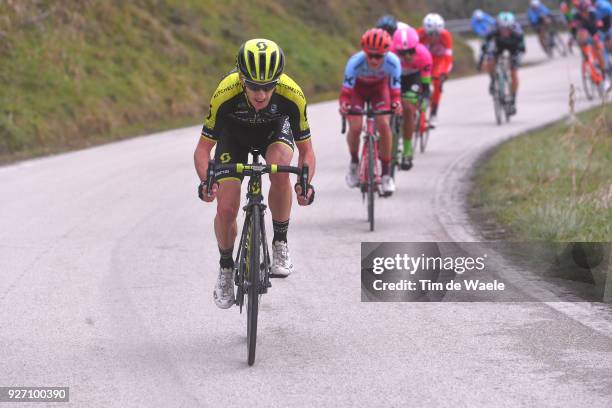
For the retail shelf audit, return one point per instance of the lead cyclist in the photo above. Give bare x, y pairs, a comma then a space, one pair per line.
255, 106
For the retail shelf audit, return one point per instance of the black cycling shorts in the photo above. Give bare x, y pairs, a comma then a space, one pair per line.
538, 24
411, 86
515, 55
515, 58
236, 141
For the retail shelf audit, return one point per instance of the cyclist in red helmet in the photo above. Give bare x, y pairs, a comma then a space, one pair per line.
372, 74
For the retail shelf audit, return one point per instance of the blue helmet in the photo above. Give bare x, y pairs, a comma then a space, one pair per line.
387, 23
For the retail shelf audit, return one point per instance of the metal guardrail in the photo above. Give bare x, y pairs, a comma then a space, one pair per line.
462, 26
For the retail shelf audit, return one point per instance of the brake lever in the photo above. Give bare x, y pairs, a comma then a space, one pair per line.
210, 177
304, 180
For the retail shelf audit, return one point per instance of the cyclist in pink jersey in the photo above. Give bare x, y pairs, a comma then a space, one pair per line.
416, 61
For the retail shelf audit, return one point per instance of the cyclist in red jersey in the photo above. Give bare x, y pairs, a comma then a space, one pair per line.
372, 74
440, 43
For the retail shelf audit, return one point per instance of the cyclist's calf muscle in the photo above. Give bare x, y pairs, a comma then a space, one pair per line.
228, 205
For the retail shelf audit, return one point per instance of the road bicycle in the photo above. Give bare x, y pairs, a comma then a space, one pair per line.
592, 78
369, 165
253, 269
502, 95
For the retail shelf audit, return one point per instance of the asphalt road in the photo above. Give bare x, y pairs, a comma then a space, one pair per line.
108, 261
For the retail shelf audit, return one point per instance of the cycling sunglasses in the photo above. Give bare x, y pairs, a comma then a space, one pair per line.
409, 51
376, 56
254, 86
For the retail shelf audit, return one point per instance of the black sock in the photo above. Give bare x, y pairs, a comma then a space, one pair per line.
434, 110
384, 167
226, 260
354, 158
280, 230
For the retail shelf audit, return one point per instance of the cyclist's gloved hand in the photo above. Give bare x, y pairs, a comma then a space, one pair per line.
205, 195
309, 197
344, 108
397, 107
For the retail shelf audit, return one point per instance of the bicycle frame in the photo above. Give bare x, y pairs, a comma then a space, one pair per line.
501, 88
369, 165
254, 199
370, 137
421, 125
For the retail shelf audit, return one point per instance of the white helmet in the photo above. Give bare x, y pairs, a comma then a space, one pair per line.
505, 19
478, 14
433, 23
535, 3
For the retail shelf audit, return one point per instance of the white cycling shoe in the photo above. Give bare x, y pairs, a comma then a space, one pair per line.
388, 185
352, 177
223, 294
281, 261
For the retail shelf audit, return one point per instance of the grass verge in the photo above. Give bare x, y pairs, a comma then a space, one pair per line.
554, 184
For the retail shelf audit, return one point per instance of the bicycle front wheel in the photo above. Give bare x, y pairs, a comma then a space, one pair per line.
497, 103
424, 131
253, 282
504, 96
416, 139
371, 182
396, 151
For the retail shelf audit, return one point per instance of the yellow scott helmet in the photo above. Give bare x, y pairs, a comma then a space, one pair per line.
260, 60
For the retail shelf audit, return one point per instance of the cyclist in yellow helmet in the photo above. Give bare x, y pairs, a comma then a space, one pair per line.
255, 105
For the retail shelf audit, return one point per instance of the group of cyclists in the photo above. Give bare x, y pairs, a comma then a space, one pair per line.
399, 68
397, 64
588, 22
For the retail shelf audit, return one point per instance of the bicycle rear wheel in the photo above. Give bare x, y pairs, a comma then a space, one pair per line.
252, 279
371, 182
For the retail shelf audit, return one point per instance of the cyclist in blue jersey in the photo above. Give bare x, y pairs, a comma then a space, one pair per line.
604, 10
540, 19
482, 23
